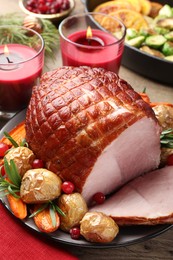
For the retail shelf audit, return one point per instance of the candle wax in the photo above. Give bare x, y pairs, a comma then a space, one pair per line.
17, 80
107, 56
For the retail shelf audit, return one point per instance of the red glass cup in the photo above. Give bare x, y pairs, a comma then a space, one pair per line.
104, 48
21, 64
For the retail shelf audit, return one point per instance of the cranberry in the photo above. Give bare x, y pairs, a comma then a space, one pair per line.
3, 148
2, 170
37, 163
170, 160
98, 198
47, 6
75, 233
67, 187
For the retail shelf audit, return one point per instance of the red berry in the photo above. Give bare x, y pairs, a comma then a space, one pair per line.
75, 233
170, 160
37, 163
2, 170
98, 197
47, 6
67, 187
3, 148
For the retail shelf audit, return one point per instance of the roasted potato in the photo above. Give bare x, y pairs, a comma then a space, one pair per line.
164, 114
98, 227
23, 158
74, 207
40, 185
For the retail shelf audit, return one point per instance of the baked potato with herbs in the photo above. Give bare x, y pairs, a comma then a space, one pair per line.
74, 207
39, 186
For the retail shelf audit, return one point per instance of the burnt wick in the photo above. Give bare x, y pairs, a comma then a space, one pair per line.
8, 60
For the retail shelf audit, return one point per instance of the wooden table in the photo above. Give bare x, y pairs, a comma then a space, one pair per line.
158, 248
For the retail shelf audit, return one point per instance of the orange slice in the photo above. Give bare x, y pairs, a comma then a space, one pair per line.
112, 6
136, 4
145, 7
130, 18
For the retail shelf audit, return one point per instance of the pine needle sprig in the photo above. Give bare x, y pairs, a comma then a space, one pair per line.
166, 138
50, 33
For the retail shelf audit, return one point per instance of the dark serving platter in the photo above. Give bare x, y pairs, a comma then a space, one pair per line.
138, 61
127, 235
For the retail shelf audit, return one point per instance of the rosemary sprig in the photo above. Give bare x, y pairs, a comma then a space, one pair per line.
11, 186
166, 138
43, 206
12, 172
53, 208
13, 142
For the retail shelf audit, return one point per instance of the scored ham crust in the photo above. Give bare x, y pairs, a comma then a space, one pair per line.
92, 128
145, 200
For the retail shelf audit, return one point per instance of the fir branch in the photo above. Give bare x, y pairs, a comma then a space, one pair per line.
50, 33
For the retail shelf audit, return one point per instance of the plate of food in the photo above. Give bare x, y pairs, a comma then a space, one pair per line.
47, 177
148, 47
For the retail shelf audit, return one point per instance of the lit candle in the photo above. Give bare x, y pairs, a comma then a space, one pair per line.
19, 72
96, 49
89, 40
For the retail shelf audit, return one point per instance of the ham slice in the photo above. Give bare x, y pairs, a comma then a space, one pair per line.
92, 128
148, 199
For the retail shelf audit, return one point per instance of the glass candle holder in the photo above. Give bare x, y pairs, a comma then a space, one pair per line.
92, 39
21, 64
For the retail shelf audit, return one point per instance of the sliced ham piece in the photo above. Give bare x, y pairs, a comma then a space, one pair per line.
92, 128
148, 199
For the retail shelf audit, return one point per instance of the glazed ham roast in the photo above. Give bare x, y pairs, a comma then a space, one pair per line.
145, 200
92, 128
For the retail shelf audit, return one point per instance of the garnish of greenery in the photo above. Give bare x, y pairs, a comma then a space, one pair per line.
13, 142
53, 208
13, 185
144, 90
49, 33
166, 138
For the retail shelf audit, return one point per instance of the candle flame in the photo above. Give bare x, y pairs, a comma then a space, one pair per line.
89, 33
6, 50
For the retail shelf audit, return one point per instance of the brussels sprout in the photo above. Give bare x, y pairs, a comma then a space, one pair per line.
166, 10
147, 32
169, 58
131, 33
169, 36
155, 41
166, 23
136, 42
161, 30
151, 51
168, 48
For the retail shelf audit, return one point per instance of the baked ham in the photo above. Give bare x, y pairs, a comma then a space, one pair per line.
145, 200
92, 128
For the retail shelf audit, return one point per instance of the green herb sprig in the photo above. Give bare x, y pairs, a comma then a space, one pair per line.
50, 33
53, 208
166, 138
13, 185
